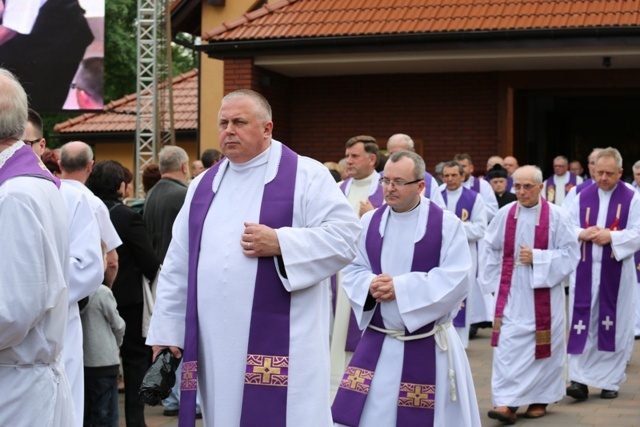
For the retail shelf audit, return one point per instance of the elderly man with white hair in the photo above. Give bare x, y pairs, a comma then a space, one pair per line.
530, 249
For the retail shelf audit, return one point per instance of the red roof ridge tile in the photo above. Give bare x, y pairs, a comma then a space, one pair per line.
246, 17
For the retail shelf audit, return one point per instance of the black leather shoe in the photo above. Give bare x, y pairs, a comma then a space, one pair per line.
473, 331
578, 391
608, 394
170, 412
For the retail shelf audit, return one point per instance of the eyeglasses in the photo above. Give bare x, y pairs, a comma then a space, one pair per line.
525, 187
385, 182
33, 141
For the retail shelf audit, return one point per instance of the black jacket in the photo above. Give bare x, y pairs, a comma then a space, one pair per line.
135, 256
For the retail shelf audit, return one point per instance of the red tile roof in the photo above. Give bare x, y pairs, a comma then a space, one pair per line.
120, 115
331, 18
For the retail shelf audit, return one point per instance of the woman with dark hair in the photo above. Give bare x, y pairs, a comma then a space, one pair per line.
136, 257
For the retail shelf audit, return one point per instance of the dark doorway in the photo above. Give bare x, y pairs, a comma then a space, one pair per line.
548, 124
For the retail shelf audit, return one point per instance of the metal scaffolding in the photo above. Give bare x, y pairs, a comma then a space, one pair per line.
154, 121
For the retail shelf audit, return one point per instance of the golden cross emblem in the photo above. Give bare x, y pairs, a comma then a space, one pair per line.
418, 395
267, 370
355, 379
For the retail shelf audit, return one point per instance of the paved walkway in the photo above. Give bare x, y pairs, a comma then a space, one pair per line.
623, 411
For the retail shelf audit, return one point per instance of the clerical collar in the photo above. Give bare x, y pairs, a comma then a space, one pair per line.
537, 207
258, 160
406, 212
8, 152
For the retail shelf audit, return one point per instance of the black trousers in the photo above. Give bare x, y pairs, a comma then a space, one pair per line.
136, 359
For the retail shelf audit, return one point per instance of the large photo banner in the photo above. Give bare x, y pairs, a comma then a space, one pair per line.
56, 48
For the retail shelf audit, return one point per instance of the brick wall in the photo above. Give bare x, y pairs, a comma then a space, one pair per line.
444, 113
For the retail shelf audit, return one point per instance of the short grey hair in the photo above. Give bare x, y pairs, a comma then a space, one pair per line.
13, 107
418, 164
404, 137
612, 153
636, 165
263, 106
453, 164
171, 158
537, 173
563, 158
80, 161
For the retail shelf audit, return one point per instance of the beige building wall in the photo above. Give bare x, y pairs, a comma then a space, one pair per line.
212, 70
124, 152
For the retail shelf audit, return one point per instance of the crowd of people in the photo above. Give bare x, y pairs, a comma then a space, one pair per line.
274, 274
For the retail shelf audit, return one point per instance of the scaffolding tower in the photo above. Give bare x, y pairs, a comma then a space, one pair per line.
154, 120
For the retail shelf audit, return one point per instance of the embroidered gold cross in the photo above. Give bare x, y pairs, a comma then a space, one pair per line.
267, 370
418, 395
355, 379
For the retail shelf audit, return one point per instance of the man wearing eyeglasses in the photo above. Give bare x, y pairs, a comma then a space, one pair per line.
401, 141
530, 248
405, 286
469, 207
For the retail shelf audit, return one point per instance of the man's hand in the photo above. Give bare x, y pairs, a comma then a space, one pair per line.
365, 206
602, 237
259, 241
588, 234
174, 350
382, 288
526, 255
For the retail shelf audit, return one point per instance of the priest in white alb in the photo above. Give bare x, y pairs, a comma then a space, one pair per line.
405, 287
602, 293
530, 249
258, 234
33, 277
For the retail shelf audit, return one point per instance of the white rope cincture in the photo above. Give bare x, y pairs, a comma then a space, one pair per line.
442, 341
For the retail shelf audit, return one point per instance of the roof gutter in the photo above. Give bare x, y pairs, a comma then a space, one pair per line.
378, 42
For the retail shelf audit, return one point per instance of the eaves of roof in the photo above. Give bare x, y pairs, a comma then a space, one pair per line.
293, 26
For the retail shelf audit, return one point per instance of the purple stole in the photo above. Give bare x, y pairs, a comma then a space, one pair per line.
376, 198
24, 162
551, 186
416, 396
353, 332
584, 185
475, 186
542, 297
610, 273
464, 207
265, 391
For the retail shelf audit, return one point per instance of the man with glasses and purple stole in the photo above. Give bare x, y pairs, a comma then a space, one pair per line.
530, 248
242, 290
33, 277
469, 207
405, 286
602, 293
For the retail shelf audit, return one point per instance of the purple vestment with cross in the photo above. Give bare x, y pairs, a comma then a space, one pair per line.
610, 273
416, 395
265, 392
